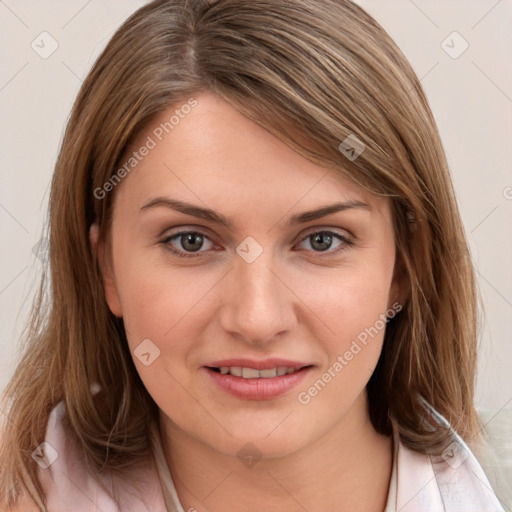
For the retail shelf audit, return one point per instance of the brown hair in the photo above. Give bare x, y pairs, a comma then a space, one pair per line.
312, 73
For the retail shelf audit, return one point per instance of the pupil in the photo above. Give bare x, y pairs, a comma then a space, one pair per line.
324, 241
188, 241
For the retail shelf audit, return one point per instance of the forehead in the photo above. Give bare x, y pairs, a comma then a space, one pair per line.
212, 152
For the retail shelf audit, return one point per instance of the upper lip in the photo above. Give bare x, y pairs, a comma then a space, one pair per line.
265, 364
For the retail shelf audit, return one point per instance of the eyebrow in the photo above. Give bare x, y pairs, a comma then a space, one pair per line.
217, 218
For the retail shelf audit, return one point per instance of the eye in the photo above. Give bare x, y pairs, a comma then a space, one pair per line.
322, 241
188, 242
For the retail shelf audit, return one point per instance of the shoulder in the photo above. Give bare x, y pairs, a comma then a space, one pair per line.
70, 486
452, 481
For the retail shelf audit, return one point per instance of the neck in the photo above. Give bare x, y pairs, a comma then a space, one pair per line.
348, 468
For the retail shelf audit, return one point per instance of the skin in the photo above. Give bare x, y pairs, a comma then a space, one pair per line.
294, 301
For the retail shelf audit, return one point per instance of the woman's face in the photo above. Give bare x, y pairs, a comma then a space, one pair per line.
224, 264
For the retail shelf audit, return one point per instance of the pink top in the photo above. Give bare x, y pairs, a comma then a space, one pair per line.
454, 482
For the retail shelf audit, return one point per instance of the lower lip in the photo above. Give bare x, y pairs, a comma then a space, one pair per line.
257, 389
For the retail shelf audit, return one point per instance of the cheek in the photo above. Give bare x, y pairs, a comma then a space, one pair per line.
347, 301
162, 306
353, 307
155, 299
171, 308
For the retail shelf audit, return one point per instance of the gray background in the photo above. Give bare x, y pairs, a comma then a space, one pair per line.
470, 95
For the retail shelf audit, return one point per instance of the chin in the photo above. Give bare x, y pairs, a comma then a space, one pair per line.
268, 439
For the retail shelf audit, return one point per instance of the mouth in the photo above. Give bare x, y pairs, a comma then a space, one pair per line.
257, 380
253, 373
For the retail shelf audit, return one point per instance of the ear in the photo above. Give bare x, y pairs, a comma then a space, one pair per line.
400, 285
105, 264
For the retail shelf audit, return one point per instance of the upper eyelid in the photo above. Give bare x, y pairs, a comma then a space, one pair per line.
205, 231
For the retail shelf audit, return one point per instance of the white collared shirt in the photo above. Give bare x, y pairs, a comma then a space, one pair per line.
419, 482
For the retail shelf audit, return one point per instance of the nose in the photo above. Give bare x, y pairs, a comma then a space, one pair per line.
257, 304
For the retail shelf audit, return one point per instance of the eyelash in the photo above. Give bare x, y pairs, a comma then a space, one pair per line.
346, 242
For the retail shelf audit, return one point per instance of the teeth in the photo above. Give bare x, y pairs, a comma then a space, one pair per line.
252, 373
236, 371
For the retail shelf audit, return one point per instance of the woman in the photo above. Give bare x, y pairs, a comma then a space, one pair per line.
261, 295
